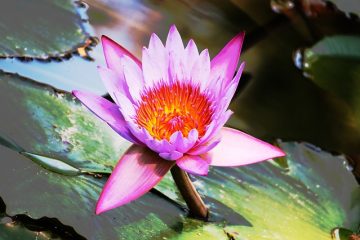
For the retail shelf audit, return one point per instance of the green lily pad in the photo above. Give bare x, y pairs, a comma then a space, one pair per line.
49, 124
71, 199
306, 191
41, 29
334, 65
305, 200
309, 196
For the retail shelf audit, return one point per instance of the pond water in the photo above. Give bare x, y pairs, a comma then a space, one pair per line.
290, 91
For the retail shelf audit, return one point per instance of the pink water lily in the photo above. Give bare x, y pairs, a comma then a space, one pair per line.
172, 105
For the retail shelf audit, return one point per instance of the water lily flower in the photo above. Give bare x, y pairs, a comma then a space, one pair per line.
172, 105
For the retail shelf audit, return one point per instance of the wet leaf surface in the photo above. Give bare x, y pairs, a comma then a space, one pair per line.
72, 201
43, 121
55, 155
40, 29
308, 195
305, 186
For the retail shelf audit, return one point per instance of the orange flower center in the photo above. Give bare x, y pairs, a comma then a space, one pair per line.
166, 109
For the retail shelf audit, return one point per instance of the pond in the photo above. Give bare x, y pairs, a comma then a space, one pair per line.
300, 90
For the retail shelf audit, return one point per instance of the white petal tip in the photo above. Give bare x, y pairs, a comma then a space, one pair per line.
173, 27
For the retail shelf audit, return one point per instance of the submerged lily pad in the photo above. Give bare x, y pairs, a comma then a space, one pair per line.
334, 64
41, 29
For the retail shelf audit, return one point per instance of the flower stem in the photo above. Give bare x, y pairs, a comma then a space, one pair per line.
192, 198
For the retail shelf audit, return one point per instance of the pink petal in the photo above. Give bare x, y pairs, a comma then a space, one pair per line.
133, 77
108, 112
175, 49
159, 145
159, 56
237, 148
139, 132
183, 144
174, 42
204, 148
113, 52
194, 164
201, 70
224, 64
126, 107
174, 155
229, 93
191, 56
103, 108
151, 72
114, 83
177, 68
136, 173
215, 126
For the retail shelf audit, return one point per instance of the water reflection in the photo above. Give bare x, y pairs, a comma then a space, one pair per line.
210, 23
130, 23
75, 73
280, 6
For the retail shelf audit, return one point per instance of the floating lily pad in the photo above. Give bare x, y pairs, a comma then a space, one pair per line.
38, 192
50, 124
310, 190
309, 196
334, 64
41, 29
305, 200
